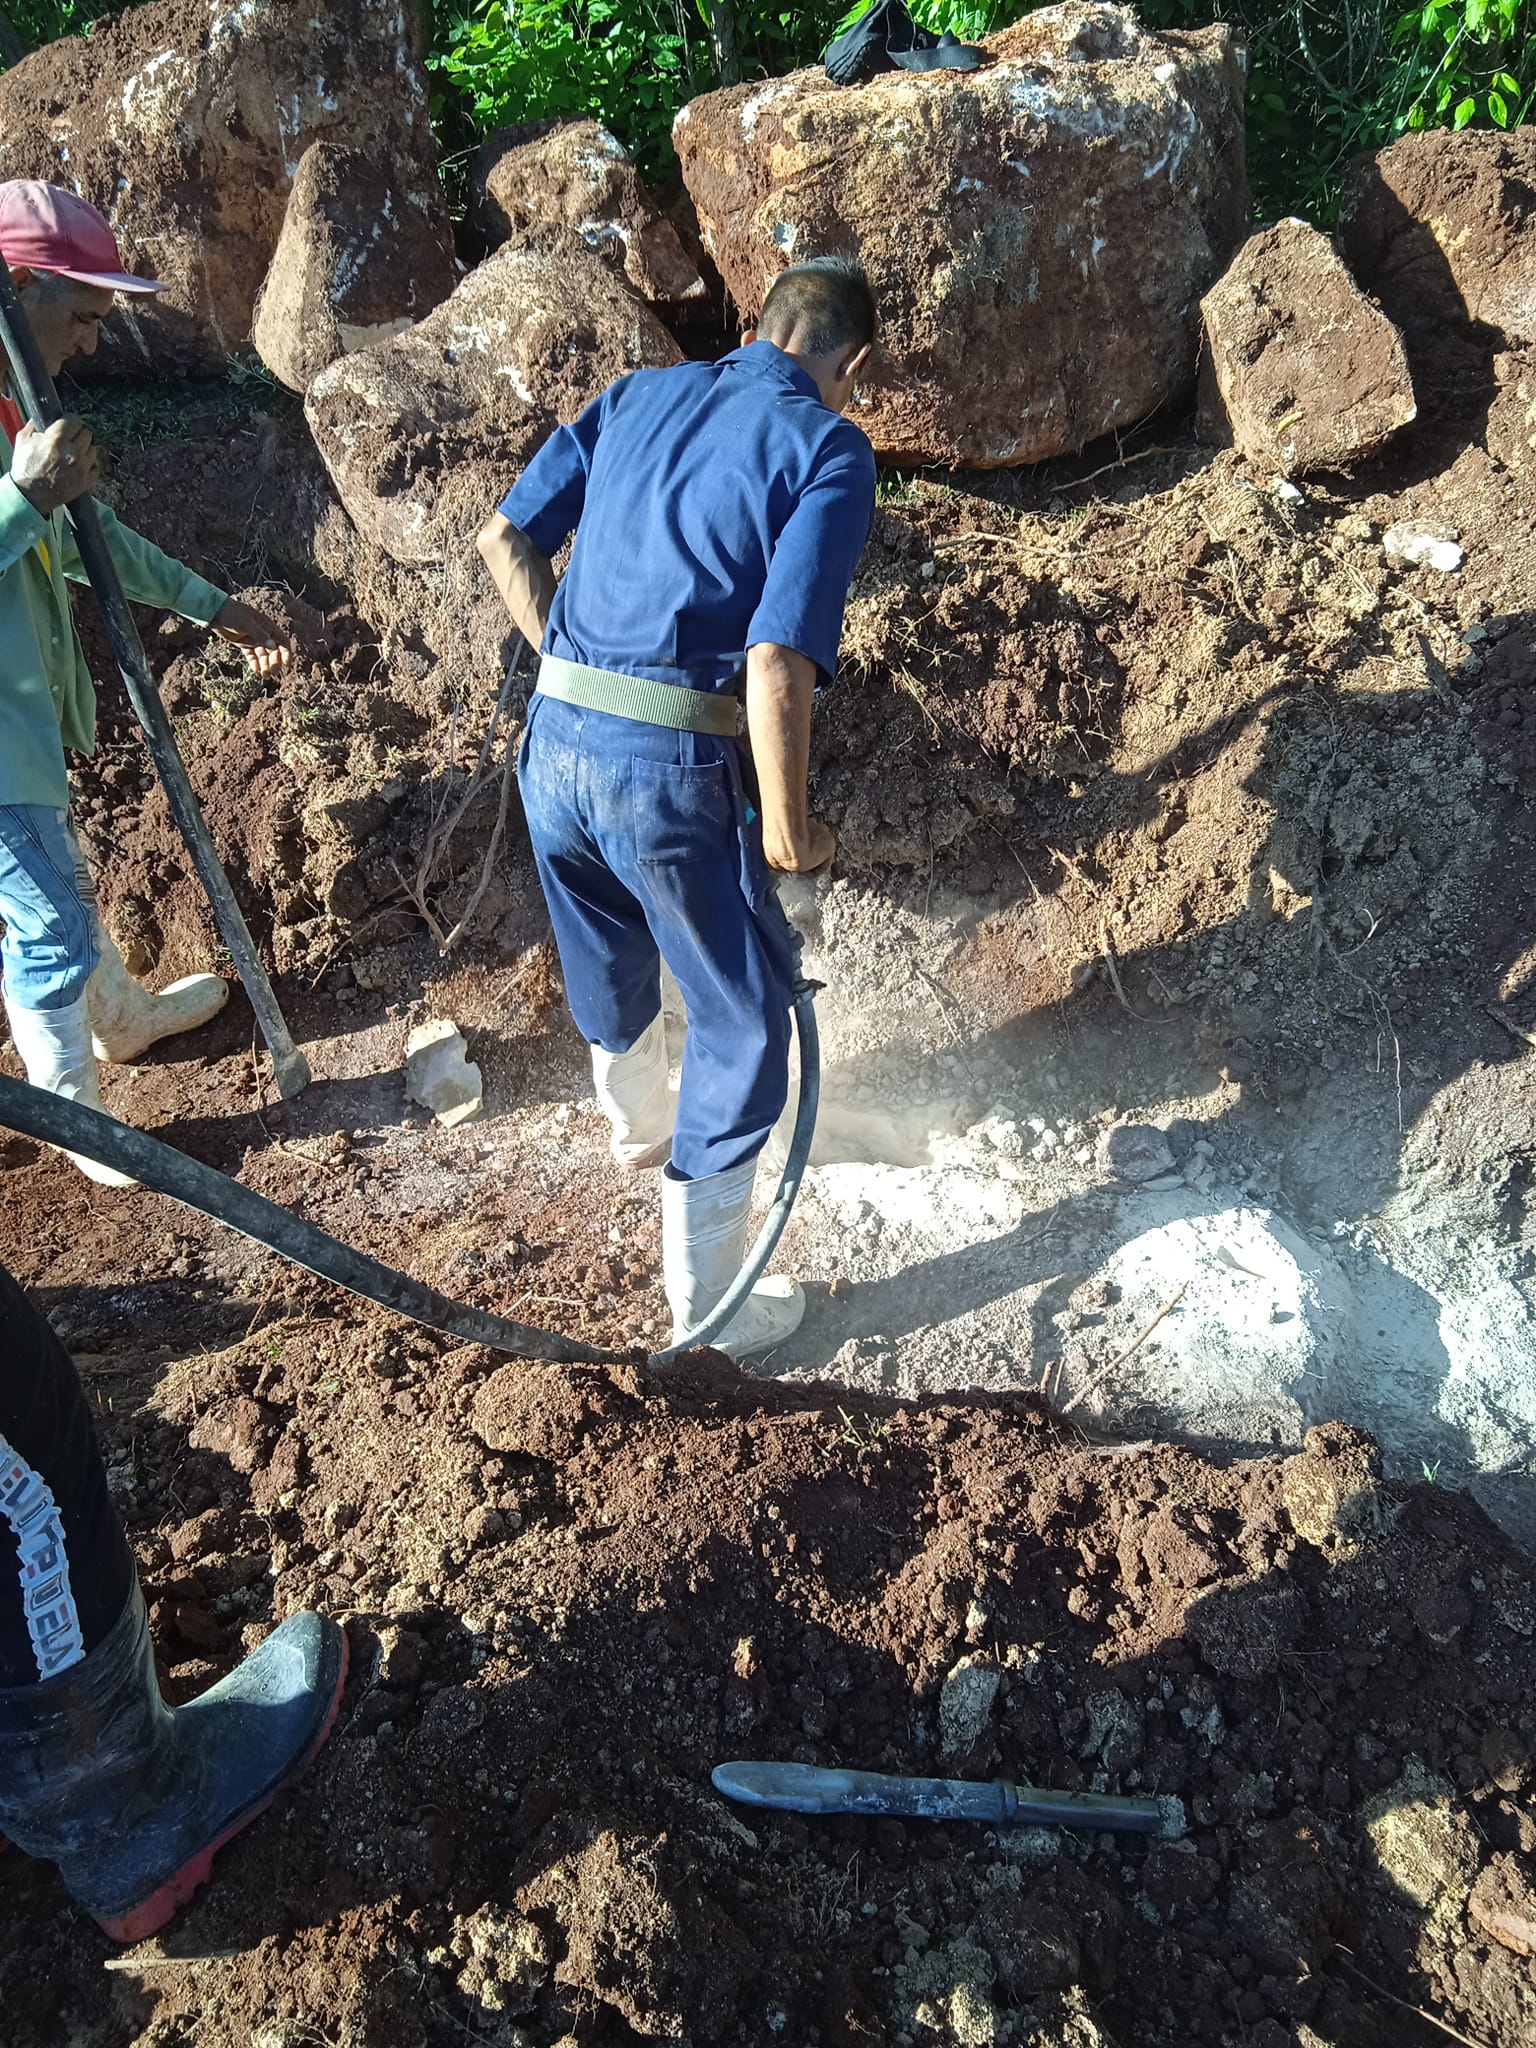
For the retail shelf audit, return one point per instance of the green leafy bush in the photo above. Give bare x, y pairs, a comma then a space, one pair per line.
1329, 77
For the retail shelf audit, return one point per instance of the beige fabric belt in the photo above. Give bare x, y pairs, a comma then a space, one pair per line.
669, 704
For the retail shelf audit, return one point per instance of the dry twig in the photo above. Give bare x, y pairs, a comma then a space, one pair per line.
1418, 2011
446, 822
1124, 462
1107, 955
1511, 1024
1130, 1351
137, 1963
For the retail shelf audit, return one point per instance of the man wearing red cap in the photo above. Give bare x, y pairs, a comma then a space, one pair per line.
68, 996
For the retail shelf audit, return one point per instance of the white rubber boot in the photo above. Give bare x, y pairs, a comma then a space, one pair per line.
703, 1243
55, 1049
632, 1093
127, 1018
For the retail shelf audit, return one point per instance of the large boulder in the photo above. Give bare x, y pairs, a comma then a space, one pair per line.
1441, 228
424, 434
1299, 369
185, 122
547, 180
357, 261
1039, 232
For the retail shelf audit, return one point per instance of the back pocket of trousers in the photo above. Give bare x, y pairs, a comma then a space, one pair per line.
682, 814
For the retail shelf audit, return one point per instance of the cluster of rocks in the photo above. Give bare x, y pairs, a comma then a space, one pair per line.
1317, 354
1057, 239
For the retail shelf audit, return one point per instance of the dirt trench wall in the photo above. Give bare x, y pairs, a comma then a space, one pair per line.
321, 790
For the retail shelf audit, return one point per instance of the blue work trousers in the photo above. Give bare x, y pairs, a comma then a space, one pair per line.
648, 850
48, 904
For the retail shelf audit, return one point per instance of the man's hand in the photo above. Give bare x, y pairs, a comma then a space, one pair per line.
810, 855
780, 686
264, 647
56, 466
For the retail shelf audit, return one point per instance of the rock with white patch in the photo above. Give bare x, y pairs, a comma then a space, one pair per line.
438, 1073
185, 121
1299, 370
548, 181
966, 1699
1422, 547
357, 262
425, 433
1039, 232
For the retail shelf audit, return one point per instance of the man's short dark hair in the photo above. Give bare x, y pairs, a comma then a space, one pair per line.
827, 298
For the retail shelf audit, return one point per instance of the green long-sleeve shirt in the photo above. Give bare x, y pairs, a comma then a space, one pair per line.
47, 699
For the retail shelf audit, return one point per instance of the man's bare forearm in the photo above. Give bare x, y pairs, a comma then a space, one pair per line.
524, 577
780, 687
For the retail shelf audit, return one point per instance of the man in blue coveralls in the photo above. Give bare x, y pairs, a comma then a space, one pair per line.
719, 511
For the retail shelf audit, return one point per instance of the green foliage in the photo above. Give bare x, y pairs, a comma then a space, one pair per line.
1328, 77
628, 63
36, 22
1467, 60
625, 62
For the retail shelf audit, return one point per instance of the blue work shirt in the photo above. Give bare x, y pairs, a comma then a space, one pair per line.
715, 505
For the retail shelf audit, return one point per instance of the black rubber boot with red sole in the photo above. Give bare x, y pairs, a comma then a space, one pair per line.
131, 1798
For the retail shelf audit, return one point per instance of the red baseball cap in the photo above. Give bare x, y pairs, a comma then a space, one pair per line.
46, 227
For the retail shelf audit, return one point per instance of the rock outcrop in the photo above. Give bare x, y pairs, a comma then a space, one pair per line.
1039, 232
185, 121
1299, 370
425, 433
1441, 228
547, 180
357, 261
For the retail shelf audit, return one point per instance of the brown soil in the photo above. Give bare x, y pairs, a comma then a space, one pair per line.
1185, 752
571, 1592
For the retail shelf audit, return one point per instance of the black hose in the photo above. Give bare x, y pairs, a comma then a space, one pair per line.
34, 388
53, 1120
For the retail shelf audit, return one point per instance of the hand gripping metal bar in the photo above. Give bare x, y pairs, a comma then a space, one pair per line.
34, 389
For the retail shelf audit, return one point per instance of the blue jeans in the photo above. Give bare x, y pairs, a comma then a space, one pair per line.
50, 946
647, 850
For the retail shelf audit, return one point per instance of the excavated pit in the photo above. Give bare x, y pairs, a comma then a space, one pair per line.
1184, 836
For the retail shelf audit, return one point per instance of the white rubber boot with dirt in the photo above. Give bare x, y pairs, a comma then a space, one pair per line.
127, 1018
632, 1093
703, 1245
55, 1048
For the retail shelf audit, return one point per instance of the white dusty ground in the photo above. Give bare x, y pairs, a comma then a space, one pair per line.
963, 1224
970, 1231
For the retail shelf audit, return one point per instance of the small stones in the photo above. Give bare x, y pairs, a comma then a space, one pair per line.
483, 1525
1116, 1732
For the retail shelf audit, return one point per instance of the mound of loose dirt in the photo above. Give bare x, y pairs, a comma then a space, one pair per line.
571, 1593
